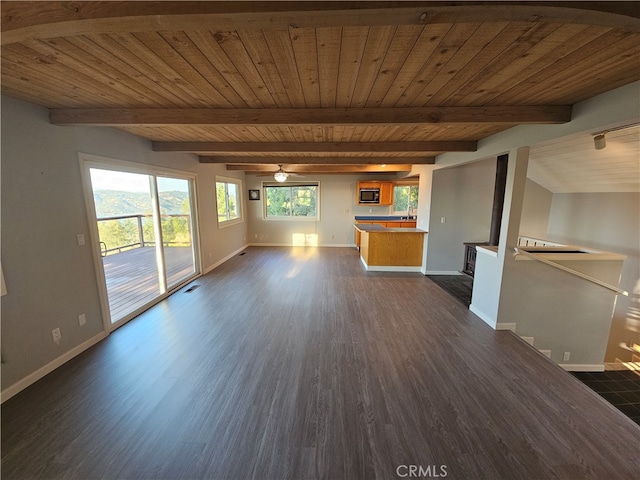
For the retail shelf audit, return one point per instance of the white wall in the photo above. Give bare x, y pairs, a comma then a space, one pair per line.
337, 210
616, 107
535, 210
50, 279
563, 313
463, 195
610, 222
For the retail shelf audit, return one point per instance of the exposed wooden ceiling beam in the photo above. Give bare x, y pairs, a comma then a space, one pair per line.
357, 161
421, 148
294, 168
311, 116
47, 19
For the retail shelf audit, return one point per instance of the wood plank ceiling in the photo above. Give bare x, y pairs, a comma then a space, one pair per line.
315, 85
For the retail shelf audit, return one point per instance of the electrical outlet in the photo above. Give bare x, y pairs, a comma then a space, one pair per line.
56, 335
443, 219
566, 356
82, 319
81, 239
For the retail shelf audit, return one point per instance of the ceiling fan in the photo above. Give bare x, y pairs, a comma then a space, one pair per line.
280, 175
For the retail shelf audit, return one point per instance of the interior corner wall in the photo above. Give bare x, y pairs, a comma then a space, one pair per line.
50, 279
610, 222
535, 210
463, 197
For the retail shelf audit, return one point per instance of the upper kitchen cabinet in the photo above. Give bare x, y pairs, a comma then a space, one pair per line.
374, 193
386, 193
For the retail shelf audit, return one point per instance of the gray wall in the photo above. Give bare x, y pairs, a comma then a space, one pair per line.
464, 196
611, 222
50, 279
535, 210
563, 313
337, 211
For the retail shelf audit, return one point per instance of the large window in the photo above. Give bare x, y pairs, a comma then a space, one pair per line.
291, 201
405, 199
228, 199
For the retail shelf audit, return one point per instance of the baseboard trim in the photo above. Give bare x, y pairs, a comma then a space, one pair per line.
324, 245
583, 367
506, 326
220, 262
32, 378
442, 272
483, 316
382, 268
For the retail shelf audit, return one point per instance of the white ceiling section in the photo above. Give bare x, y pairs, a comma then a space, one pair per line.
573, 165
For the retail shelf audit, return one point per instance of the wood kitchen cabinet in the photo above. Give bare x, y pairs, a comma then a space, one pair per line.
396, 224
371, 184
386, 191
382, 248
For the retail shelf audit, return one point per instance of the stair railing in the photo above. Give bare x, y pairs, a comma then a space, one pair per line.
616, 290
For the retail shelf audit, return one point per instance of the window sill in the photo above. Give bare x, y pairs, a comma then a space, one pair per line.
230, 223
291, 219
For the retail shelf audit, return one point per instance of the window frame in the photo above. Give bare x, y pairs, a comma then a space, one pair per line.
393, 200
290, 185
240, 204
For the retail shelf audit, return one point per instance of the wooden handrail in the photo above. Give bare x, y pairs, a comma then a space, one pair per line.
617, 290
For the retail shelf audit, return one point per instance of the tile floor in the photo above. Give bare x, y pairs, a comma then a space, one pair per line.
620, 388
458, 286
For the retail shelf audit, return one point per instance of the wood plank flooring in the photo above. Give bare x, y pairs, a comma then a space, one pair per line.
298, 364
132, 276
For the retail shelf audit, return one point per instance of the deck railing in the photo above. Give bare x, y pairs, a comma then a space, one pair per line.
139, 239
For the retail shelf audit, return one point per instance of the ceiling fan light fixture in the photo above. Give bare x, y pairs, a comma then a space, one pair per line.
280, 176
599, 141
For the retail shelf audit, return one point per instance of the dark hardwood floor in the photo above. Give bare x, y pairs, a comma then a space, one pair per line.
298, 364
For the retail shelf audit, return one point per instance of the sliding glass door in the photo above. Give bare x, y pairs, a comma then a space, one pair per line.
145, 228
175, 223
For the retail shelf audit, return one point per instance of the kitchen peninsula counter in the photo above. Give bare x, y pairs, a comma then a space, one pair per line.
390, 249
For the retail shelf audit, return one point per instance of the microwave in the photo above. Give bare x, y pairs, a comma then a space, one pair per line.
369, 195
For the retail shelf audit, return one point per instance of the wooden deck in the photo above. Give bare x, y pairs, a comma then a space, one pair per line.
297, 364
132, 276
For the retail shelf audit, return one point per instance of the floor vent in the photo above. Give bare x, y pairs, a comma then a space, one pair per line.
242, 254
191, 288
